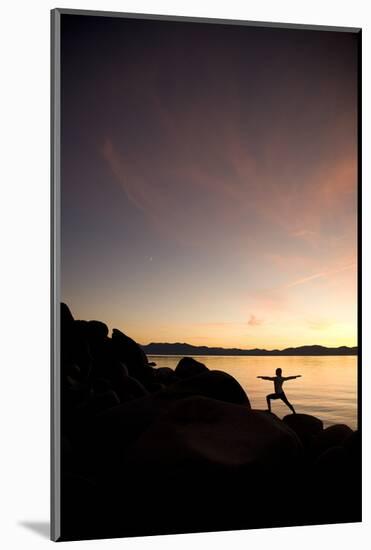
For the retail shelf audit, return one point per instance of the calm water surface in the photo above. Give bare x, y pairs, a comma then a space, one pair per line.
327, 389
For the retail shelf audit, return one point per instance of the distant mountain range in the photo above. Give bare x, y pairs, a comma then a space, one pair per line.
188, 349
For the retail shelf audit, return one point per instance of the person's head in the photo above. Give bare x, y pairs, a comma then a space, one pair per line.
278, 372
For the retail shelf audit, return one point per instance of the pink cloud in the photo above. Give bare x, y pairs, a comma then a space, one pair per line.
209, 190
254, 321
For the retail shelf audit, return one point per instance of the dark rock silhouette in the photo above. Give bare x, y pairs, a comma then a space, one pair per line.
332, 436
66, 317
149, 450
132, 355
165, 375
214, 384
305, 426
188, 366
207, 434
97, 330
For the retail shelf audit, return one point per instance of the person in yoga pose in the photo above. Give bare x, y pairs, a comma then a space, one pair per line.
278, 390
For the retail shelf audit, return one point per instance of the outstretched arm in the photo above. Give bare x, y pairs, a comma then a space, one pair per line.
265, 377
292, 377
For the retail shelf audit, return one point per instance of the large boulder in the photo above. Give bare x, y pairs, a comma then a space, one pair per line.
332, 436
305, 426
113, 431
75, 349
66, 317
200, 434
98, 331
207, 456
131, 354
213, 384
165, 375
75, 353
188, 367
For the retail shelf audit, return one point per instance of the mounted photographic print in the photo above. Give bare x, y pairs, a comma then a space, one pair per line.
205, 205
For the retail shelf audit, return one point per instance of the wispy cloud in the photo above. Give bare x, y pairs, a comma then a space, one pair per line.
202, 188
304, 280
254, 321
322, 274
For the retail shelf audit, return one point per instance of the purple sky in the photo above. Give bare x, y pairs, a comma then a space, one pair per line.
209, 181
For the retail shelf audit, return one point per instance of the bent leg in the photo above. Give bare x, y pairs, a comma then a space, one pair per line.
269, 397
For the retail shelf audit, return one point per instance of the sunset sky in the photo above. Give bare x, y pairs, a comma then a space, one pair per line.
209, 178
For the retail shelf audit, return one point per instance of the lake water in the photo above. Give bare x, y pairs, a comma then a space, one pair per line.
327, 389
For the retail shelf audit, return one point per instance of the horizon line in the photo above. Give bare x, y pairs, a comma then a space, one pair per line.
248, 349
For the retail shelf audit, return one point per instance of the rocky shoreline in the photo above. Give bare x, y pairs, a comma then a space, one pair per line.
149, 451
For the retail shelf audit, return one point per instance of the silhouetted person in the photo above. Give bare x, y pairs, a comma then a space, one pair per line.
278, 390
